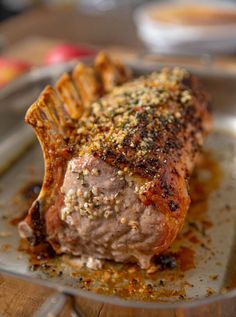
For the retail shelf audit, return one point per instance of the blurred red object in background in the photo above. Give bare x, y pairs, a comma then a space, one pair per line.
65, 52
10, 69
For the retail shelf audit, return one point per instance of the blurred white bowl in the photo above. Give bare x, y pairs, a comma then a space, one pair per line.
213, 31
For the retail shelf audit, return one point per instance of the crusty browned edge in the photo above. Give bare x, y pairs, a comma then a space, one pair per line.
53, 117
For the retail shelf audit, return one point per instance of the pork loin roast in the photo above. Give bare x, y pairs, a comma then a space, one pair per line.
118, 157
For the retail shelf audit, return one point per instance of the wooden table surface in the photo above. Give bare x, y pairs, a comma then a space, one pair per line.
29, 36
71, 25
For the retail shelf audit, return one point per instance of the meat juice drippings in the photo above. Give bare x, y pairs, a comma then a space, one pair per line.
128, 280
27, 195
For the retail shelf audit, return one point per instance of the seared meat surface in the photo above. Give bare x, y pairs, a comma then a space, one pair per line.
117, 161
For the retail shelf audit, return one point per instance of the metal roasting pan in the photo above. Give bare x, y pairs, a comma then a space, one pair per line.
209, 286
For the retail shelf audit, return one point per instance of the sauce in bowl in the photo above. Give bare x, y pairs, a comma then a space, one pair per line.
193, 14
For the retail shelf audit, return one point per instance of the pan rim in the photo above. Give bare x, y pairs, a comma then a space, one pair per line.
114, 300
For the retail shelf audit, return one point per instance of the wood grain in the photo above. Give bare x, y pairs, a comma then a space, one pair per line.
19, 298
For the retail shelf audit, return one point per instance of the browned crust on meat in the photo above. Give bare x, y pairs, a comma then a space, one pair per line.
150, 129
154, 140
54, 117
